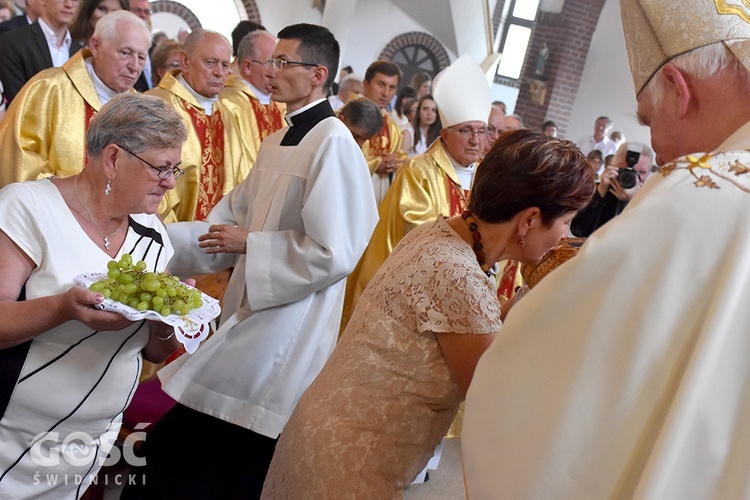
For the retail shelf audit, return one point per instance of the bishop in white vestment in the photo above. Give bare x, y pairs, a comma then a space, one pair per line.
625, 372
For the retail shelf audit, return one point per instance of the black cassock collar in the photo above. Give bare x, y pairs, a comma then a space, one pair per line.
302, 123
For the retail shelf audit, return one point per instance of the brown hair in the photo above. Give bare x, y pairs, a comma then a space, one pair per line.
525, 168
81, 30
159, 57
418, 79
433, 132
388, 68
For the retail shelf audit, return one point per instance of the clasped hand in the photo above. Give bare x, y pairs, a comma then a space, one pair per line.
388, 163
223, 238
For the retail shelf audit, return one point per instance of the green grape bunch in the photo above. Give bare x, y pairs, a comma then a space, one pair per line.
130, 284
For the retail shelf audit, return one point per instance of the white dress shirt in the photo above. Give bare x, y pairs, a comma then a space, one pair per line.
60, 52
105, 93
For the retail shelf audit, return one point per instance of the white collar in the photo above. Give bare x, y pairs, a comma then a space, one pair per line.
52, 37
105, 93
300, 110
263, 97
465, 174
207, 103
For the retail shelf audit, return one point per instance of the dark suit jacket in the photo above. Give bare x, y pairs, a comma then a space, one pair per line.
142, 85
596, 214
23, 54
13, 23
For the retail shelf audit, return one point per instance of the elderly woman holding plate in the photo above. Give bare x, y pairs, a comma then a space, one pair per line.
370, 421
68, 369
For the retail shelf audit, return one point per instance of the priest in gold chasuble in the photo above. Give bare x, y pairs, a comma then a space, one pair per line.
383, 152
247, 95
212, 157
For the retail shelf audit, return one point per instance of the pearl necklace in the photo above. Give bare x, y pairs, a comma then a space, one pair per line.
91, 218
477, 237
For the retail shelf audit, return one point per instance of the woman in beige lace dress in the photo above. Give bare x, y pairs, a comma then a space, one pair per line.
371, 420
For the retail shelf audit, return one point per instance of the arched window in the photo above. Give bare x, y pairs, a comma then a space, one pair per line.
176, 9
416, 52
171, 16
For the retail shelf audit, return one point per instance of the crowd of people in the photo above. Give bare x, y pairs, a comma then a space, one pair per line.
372, 243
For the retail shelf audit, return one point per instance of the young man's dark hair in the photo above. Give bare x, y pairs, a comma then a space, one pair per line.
239, 32
387, 68
365, 114
317, 46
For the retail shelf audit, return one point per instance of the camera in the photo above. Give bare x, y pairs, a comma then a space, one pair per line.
627, 177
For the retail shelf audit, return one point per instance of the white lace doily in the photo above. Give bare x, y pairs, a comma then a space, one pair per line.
190, 329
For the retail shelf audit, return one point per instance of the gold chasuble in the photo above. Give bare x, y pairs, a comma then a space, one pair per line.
44, 131
387, 141
425, 188
212, 157
255, 120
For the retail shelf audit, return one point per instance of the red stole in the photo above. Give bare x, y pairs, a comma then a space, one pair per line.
210, 131
267, 117
458, 197
380, 144
506, 280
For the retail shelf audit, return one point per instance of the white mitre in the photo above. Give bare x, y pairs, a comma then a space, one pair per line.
462, 93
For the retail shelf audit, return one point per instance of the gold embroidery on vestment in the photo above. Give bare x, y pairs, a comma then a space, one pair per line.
741, 9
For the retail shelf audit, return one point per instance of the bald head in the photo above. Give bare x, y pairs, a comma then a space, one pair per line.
205, 60
254, 49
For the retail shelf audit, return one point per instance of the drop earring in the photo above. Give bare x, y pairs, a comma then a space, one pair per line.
108, 189
521, 241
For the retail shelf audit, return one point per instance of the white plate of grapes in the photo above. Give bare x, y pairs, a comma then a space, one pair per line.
134, 292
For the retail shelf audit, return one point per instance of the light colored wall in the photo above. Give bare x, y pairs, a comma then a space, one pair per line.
215, 15
276, 14
374, 24
606, 86
171, 24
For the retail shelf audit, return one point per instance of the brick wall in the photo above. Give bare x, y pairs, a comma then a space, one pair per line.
176, 8
568, 36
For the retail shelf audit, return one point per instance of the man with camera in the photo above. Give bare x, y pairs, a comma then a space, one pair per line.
618, 184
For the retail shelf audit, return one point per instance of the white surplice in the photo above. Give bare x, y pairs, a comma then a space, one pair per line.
311, 212
625, 373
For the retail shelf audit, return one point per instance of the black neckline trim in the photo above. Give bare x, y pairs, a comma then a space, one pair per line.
304, 122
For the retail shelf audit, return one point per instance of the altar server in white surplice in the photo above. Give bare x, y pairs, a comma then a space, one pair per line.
294, 229
624, 374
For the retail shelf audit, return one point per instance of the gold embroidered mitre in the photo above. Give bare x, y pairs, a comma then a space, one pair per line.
658, 30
